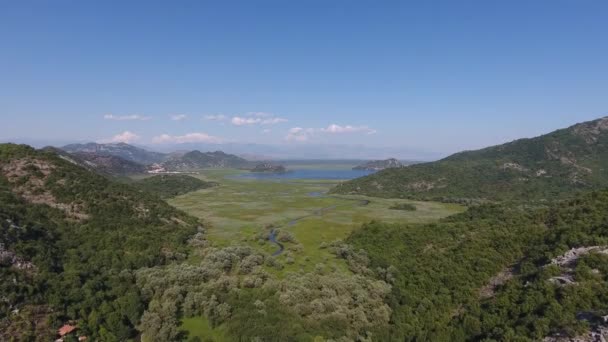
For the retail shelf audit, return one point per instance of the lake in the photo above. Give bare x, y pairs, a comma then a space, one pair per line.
339, 174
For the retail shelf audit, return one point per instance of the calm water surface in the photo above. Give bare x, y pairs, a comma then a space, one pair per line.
307, 174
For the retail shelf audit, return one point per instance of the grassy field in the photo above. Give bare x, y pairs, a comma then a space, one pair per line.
200, 327
240, 211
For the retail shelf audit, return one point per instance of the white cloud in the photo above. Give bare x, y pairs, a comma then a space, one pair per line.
304, 134
266, 131
257, 118
126, 117
239, 121
178, 117
337, 129
299, 134
218, 117
124, 137
186, 138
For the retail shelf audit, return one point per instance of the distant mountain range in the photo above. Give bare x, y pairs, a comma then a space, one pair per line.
104, 164
110, 164
125, 159
122, 150
122, 159
263, 152
546, 167
376, 165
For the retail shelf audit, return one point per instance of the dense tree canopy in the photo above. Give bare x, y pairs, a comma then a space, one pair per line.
443, 269
72, 239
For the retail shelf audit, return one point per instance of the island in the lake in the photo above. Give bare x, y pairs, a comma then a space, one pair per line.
377, 165
269, 168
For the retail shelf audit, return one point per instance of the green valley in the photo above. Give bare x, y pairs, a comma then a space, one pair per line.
243, 211
304, 171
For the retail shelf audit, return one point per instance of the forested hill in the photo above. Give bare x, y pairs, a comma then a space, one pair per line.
70, 241
167, 186
496, 273
547, 167
195, 160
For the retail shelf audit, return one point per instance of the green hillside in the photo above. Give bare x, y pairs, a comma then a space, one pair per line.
70, 241
548, 167
167, 186
488, 275
196, 160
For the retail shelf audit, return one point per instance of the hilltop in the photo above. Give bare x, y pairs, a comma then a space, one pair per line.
376, 165
70, 241
547, 167
195, 160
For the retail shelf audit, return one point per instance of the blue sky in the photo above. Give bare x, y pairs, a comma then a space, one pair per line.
438, 76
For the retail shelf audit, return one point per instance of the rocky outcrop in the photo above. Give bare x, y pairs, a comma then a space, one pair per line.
9, 258
29, 176
569, 258
567, 263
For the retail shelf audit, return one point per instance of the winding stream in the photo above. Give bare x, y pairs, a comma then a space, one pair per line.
272, 236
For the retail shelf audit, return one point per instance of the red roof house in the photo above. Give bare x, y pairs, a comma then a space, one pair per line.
66, 329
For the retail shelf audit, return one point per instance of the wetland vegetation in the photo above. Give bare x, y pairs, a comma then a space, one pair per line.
273, 250
243, 211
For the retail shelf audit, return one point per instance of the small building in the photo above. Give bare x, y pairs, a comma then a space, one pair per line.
66, 329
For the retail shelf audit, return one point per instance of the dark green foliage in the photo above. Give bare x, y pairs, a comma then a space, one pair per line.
403, 206
167, 186
84, 249
548, 167
253, 321
442, 267
533, 307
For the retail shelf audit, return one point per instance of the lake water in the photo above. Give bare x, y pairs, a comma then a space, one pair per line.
307, 174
